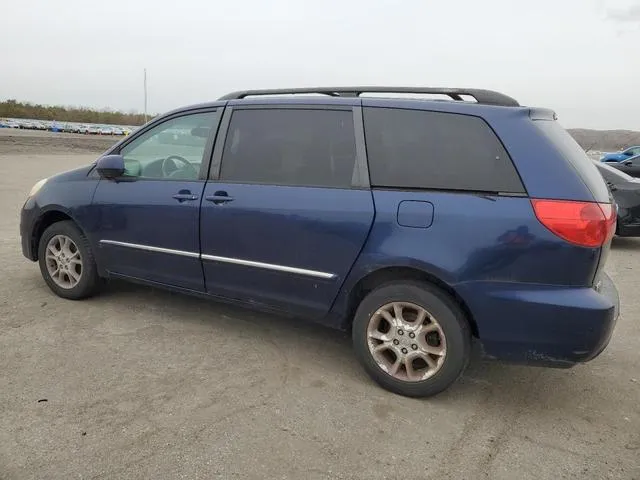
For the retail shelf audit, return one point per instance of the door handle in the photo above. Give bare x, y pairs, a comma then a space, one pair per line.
219, 198
184, 196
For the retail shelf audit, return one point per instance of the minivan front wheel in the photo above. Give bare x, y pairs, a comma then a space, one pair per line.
66, 261
411, 338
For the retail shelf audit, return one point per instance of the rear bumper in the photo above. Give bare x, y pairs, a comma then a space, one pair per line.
543, 325
628, 230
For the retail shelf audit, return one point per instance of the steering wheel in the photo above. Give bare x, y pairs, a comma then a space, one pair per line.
171, 166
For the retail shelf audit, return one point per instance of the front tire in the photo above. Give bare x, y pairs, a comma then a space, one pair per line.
67, 263
411, 338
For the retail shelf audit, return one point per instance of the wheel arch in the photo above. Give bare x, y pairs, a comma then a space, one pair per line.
387, 274
46, 219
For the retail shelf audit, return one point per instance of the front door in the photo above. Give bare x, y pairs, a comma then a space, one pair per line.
148, 222
287, 216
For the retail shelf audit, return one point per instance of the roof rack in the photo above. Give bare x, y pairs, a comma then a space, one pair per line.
486, 97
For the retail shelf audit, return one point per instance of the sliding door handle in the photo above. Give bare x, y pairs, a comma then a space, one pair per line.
219, 198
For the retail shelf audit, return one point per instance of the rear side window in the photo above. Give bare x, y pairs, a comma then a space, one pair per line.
576, 156
419, 149
290, 147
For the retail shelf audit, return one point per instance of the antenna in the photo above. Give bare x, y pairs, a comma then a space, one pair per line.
145, 95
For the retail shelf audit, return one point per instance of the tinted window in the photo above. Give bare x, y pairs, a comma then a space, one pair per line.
171, 150
290, 147
418, 149
574, 154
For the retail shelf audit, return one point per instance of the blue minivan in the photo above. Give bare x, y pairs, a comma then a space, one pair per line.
419, 225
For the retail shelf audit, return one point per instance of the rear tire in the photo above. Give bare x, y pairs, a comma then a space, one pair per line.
411, 338
67, 263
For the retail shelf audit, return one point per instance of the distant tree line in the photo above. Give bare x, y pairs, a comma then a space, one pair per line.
15, 109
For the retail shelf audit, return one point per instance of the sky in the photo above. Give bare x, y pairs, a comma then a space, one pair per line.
578, 57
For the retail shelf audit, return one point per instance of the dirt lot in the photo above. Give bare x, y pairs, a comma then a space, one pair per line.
13, 141
139, 383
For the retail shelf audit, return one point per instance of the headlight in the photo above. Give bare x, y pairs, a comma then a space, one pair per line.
36, 188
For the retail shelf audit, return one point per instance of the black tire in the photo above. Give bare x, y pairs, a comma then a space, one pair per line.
90, 282
447, 313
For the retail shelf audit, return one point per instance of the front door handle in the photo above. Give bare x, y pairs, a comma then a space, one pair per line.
219, 198
184, 195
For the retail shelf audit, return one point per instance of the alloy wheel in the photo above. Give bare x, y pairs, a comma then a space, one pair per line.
64, 261
406, 341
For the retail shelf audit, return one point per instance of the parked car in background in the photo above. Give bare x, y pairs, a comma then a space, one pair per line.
626, 193
621, 155
338, 208
105, 130
93, 130
10, 124
80, 128
56, 127
117, 131
630, 166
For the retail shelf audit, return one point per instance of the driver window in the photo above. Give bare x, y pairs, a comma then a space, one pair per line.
172, 150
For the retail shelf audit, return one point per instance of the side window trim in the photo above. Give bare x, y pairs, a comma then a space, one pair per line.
218, 148
361, 170
208, 149
360, 178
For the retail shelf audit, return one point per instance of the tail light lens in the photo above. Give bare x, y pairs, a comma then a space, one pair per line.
586, 224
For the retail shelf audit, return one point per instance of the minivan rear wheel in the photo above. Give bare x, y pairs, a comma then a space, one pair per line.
411, 338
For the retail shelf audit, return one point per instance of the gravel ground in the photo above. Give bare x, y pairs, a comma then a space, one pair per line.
139, 383
13, 141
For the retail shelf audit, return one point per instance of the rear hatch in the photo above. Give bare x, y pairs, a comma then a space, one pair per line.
587, 172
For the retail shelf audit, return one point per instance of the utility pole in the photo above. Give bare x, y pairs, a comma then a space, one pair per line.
145, 95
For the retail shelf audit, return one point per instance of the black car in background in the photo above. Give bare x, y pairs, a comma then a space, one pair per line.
630, 166
626, 192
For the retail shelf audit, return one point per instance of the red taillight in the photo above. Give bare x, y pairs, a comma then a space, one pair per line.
583, 223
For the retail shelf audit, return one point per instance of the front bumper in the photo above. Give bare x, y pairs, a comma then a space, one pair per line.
28, 217
544, 325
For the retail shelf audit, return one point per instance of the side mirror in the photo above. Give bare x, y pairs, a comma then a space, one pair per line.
110, 166
627, 162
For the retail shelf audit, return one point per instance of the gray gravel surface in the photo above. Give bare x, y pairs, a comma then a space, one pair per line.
140, 383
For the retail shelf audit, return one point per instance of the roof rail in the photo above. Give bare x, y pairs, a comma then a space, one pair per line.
486, 97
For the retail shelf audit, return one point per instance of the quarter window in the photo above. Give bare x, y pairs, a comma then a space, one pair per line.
172, 150
299, 147
434, 150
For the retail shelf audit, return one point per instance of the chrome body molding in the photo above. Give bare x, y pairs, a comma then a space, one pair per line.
150, 248
215, 258
269, 266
